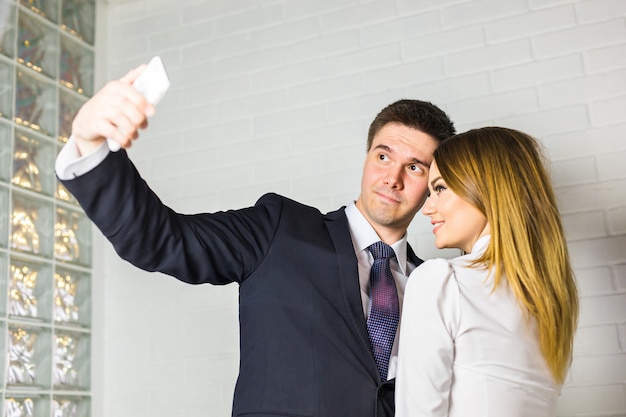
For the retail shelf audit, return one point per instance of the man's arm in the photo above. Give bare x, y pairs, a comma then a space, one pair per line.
216, 248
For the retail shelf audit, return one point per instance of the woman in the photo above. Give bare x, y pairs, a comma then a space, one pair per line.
489, 333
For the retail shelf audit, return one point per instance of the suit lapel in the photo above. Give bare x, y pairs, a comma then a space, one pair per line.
339, 231
337, 225
412, 256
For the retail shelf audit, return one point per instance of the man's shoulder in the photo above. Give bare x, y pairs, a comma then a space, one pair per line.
286, 203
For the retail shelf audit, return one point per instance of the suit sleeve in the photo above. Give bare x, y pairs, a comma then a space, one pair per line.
430, 319
216, 248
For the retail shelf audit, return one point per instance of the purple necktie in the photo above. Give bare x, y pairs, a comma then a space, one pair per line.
382, 322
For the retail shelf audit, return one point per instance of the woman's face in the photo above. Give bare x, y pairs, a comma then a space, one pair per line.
457, 223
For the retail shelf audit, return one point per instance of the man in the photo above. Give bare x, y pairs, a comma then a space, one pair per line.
304, 276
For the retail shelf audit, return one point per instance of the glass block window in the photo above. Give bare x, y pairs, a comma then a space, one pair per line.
46, 74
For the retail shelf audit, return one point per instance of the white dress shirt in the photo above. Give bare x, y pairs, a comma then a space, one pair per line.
70, 164
363, 235
466, 350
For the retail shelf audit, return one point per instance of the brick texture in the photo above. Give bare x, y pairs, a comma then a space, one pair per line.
277, 95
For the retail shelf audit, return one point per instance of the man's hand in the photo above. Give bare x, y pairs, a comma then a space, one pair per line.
117, 111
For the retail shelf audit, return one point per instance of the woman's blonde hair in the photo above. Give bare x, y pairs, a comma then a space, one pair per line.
502, 173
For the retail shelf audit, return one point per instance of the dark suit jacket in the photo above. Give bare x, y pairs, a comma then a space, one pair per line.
305, 349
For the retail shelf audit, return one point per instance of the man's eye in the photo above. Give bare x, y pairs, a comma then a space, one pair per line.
416, 169
382, 157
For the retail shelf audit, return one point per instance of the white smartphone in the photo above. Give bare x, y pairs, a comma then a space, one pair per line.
152, 83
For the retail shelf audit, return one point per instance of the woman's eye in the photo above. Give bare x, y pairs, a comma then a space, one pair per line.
439, 188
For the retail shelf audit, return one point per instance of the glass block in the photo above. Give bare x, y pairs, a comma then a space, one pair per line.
7, 81
7, 28
37, 45
4, 223
72, 297
70, 406
31, 225
46, 8
78, 18
3, 346
3, 284
77, 66
63, 194
69, 104
71, 357
22, 405
29, 288
29, 353
35, 105
5, 152
72, 237
33, 163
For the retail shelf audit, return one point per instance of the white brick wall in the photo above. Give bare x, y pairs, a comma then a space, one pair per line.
277, 95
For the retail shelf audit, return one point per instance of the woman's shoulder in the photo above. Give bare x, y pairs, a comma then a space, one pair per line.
433, 290
433, 274
435, 265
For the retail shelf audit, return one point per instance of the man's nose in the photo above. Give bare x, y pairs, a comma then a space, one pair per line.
393, 179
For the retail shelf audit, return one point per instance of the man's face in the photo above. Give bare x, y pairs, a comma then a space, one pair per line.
395, 179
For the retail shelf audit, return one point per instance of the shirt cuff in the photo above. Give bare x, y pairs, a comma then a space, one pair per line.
70, 164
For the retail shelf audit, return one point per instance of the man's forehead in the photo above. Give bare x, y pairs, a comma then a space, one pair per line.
399, 130
418, 145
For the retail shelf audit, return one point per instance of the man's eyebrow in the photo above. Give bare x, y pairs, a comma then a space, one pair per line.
413, 160
417, 161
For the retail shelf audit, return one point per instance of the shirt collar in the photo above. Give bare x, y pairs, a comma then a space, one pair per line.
364, 235
480, 246
478, 249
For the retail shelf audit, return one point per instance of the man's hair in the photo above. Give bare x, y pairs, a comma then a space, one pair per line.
416, 114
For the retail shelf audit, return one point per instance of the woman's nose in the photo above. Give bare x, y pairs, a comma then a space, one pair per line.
428, 208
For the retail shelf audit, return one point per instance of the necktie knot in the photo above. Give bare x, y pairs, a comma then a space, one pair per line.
381, 250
